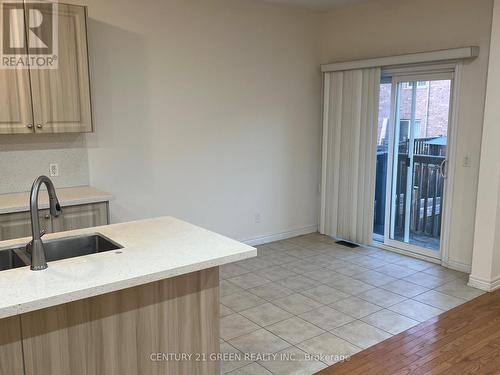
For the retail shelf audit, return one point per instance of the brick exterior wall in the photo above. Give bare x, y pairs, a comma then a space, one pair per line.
432, 110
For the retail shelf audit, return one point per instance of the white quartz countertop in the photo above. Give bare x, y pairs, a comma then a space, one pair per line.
153, 249
20, 202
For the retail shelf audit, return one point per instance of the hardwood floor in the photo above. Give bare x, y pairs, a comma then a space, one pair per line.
465, 340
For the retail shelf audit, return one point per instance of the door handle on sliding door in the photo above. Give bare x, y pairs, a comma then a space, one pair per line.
443, 168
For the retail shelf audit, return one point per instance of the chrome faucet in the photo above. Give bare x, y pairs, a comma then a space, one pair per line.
35, 247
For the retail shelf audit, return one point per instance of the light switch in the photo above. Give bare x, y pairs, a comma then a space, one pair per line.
258, 218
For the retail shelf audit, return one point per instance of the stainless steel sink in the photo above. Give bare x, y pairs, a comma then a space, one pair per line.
10, 259
63, 248
72, 247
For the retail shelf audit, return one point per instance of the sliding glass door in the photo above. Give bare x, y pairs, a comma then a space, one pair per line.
411, 161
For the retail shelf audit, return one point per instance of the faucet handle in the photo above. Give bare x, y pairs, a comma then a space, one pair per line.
29, 245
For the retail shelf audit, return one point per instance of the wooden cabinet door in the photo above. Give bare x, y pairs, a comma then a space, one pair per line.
116, 333
18, 225
84, 216
61, 97
11, 350
15, 102
16, 113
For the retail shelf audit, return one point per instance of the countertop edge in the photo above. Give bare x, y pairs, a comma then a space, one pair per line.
43, 206
76, 295
97, 196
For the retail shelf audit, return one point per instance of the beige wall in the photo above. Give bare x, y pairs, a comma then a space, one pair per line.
496, 245
486, 258
391, 27
208, 110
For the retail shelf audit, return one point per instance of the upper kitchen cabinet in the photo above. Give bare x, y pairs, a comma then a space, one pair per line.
16, 110
57, 100
61, 97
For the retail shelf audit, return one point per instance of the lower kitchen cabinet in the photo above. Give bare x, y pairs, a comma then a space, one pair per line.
120, 333
17, 225
11, 346
78, 217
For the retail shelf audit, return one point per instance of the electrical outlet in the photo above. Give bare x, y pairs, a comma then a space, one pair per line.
54, 170
467, 161
258, 218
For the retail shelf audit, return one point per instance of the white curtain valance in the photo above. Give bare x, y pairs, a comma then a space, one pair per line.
351, 101
453, 54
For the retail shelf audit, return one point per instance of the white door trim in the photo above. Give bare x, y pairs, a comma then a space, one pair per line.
383, 246
413, 249
409, 172
408, 74
390, 184
452, 159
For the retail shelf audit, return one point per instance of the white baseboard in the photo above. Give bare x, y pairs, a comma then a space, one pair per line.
281, 236
457, 266
483, 284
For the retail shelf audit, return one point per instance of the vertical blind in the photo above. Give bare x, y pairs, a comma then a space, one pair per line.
350, 123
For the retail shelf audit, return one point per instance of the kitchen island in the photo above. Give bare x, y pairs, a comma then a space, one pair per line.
150, 307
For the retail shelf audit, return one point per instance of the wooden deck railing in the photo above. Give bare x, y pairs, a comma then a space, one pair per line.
427, 194
428, 184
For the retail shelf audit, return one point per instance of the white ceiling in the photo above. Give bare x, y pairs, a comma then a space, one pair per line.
316, 4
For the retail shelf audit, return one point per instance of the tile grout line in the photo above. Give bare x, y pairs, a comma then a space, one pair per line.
307, 248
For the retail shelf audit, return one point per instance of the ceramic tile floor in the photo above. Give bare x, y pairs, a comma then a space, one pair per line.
308, 300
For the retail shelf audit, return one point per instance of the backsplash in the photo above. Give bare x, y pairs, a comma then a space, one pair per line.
22, 160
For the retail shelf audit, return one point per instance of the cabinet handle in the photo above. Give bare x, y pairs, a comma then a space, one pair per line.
29, 126
39, 126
